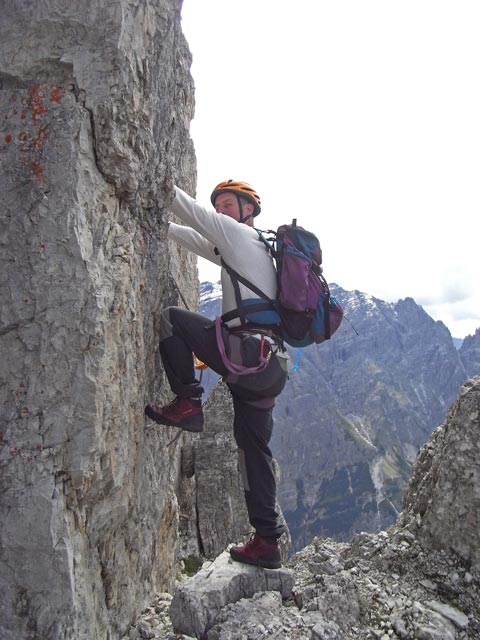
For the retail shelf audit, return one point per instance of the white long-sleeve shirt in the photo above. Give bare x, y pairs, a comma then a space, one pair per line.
238, 245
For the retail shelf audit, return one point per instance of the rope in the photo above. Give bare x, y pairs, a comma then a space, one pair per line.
154, 424
179, 292
350, 323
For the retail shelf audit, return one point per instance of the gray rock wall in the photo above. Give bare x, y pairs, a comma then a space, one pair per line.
95, 105
443, 494
213, 512
222, 512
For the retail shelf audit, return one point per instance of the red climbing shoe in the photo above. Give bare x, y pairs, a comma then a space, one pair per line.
258, 552
185, 413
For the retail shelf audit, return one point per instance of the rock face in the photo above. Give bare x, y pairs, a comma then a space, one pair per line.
219, 511
212, 488
444, 489
95, 101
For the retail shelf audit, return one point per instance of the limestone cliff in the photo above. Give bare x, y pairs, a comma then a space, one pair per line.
443, 494
96, 100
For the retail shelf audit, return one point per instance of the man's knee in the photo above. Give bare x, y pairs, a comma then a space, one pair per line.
166, 326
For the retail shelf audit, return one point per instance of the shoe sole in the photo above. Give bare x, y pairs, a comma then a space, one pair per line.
264, 564
193, 424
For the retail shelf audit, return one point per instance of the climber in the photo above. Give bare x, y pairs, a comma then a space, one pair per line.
226, 235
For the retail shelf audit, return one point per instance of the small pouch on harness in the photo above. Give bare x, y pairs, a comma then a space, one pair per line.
258, 375
247, 354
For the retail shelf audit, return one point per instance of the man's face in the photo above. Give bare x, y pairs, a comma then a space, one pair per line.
228, 204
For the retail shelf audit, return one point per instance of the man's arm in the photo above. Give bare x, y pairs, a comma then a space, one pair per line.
193, 241
221, 231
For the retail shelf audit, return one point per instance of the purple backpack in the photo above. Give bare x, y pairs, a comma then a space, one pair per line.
304, 309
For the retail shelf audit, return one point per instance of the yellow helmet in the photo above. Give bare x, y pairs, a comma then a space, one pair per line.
240, 189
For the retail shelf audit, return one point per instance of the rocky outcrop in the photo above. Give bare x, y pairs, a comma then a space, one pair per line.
411, 581
385, 586
96, 100
197, 604
443, 494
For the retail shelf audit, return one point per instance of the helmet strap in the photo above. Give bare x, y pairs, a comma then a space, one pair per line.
240, 207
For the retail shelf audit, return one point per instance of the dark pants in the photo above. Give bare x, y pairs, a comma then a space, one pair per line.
253, 398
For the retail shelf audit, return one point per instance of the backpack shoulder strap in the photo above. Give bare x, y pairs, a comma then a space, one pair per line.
243, 309
269, 244
236, 278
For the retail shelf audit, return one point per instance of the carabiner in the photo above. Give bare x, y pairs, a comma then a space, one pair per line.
262, 345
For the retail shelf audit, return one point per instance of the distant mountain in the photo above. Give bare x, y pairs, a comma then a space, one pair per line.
470, 353
352, 418
457, 342
210, 306
210, 299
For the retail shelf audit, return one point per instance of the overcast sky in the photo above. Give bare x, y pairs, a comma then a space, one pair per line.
362, 120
